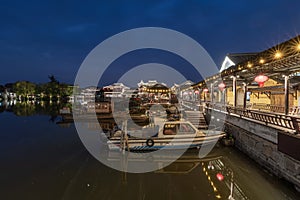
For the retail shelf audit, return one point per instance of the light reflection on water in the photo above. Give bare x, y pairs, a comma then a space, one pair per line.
42, 160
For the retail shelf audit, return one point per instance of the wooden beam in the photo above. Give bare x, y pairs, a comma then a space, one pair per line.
268, 94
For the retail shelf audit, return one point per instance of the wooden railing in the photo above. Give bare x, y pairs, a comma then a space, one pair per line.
284, 121
260, 106
294, 110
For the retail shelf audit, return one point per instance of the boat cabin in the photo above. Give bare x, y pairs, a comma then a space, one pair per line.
183, 128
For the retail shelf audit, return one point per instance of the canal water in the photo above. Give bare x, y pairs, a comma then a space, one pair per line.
43, 160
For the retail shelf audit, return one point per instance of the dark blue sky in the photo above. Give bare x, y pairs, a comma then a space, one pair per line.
38, 38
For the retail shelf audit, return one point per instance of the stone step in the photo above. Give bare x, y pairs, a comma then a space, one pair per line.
197, 119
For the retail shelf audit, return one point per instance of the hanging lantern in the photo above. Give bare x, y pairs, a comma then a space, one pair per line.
190, 93
205, 90
196, 92
220, 176
222, 86
261, 79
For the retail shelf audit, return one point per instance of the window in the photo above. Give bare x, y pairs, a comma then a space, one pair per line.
185, 128
173, 129
170, 129
248, 96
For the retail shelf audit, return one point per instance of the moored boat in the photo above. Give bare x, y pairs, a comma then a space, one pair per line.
169, 135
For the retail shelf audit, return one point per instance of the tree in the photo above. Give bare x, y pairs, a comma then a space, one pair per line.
53, 79
65, 90
24, 88
50, 89
2, 88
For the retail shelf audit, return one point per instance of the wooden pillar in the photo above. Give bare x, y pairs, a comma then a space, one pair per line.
286, 94
211, 92
225, 96
245, 96
221, 93
234, 91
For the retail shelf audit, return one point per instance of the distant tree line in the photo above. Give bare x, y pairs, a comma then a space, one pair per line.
26, 90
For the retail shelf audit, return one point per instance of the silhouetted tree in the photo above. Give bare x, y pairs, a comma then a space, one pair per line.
53, 79
2, 88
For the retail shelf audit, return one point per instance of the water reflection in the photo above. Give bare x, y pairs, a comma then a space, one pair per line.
41, 160
214, 172
30, 108
187, 178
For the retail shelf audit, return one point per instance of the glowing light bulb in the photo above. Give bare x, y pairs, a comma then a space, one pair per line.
278, 54
261, 61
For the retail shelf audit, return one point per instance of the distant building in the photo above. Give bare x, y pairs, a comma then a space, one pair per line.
184, 90
7, 92
115, 90
145, 86
154, 92
89, 93
150, 83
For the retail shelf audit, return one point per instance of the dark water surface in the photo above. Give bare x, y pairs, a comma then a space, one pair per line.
42, 160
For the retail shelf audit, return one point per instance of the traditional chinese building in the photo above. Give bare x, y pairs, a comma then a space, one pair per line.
267, 80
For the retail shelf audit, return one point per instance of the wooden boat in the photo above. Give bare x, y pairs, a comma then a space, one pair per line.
169, 135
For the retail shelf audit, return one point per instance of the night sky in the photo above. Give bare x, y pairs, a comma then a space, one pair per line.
39, 38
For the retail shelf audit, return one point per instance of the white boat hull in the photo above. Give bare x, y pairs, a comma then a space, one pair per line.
156, 143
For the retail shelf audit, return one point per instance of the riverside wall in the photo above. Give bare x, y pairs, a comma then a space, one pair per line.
261, 143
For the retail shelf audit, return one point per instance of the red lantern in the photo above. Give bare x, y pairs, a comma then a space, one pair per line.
261, 79
205, 90
196, 91
220, 176
222, 86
